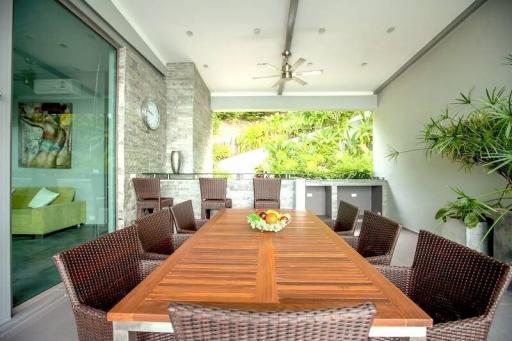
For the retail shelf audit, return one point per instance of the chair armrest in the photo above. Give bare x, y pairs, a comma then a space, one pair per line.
179, 239
473, 328
153, 256
329, 222
181, 231
400, 276
148, 266
351, 240
200, 223
91, 323
380, 260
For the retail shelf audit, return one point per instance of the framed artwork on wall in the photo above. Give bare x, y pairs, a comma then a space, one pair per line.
45, 135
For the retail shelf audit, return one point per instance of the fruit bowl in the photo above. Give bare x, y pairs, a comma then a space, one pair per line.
269, 220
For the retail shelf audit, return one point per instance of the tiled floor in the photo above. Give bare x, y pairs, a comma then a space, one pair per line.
33, 268
57, 323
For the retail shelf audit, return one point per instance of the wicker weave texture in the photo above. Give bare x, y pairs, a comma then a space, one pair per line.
458, 287
346, 219
452, 282
378, 237
147, 191
213, 188
146, 188
194, 323
267, 193
155, 232
213, 195
183, 216
97, 275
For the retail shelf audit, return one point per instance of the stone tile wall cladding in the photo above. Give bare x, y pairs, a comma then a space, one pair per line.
139, 149
240, 191
185, 124
189, 118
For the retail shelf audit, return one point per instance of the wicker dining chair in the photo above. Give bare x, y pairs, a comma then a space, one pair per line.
267, 192
346, 219
97, 275
147, 191
458, 287
377, 239
184, 219
195, 323
213, 195
156, 235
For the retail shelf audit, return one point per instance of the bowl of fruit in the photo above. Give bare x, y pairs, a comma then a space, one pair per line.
268, 220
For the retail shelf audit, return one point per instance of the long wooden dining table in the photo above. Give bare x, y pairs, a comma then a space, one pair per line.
230, 265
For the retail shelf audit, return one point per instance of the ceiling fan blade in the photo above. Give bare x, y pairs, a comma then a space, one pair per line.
263, 77
298, 63
309, 73
300, 81
280, 89
279, 82
270, 66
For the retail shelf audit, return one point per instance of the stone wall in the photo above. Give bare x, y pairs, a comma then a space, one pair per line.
189, 118
203, 162
139, 149
180, 108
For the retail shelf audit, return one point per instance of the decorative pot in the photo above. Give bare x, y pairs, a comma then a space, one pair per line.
176, 161
502, 236
474, 236
469, 236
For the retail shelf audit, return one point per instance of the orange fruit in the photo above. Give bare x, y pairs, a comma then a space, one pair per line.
271, 218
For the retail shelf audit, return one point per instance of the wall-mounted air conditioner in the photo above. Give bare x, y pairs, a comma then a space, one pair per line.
57, 87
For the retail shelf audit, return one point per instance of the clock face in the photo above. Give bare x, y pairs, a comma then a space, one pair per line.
150, 114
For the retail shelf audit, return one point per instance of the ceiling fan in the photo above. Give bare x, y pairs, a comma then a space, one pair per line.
289, 72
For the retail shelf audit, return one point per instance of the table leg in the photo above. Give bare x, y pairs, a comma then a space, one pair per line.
124, 335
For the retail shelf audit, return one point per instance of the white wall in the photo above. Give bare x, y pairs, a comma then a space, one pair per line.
470, 56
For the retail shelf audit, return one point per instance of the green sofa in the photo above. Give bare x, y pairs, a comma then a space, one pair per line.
61, 213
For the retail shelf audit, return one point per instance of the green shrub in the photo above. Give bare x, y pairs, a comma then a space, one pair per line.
313, 144
221, 152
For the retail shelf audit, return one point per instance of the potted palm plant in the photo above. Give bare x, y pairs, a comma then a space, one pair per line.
480, 134
472, 214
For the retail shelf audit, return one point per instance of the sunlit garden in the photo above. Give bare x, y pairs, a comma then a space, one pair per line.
309, 144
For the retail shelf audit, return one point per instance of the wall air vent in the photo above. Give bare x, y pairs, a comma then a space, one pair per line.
57, 87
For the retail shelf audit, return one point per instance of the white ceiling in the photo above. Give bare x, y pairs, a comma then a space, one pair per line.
355, 33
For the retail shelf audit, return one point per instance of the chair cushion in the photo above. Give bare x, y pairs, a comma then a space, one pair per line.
43, 198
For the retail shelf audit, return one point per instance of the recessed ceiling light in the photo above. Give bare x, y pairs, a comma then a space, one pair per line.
363, 64
189, 33
321, 30
390, 29
205, 66
257, 31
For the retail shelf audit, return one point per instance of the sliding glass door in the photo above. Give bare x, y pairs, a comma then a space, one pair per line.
63, 147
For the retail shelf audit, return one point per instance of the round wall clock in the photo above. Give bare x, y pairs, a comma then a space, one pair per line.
150, 114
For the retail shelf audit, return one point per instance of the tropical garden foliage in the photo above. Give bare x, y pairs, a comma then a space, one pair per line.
312, 144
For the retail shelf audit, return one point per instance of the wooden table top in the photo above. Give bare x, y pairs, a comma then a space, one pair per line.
305, 266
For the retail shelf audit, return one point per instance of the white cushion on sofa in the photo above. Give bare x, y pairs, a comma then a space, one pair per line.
42, 198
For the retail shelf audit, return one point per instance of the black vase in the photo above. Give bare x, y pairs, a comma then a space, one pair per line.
175, 161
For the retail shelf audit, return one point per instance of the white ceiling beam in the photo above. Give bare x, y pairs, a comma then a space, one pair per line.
292, 103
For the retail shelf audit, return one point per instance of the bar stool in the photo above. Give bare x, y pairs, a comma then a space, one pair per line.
267, 193
147, 191
213, 195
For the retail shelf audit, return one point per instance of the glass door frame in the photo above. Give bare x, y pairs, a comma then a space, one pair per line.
6, 50
6, 22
